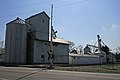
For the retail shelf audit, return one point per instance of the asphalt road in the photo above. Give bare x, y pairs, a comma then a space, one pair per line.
20, 73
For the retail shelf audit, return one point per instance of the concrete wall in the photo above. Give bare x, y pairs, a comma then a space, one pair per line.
39, 26
83, 59
15, 43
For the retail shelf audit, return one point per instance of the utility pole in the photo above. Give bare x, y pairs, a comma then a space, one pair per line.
51, 37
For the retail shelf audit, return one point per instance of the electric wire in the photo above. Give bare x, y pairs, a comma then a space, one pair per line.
23, 13
23, 6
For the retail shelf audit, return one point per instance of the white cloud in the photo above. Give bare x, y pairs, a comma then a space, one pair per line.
109, 28
103, 28
110, 35
114, 26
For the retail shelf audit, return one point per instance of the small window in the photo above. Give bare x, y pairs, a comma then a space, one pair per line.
29, 22
42, 56
55, 44
45, 43
43, 20
74, 57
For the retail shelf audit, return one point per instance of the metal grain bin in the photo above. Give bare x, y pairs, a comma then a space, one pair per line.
15, 43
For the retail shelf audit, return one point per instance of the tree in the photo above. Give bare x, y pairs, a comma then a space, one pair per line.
1, 46
80, 48
117, 56
117, 50
71, 46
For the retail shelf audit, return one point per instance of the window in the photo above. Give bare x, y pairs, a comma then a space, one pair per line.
55, 44
73, 57
43, 20
42, 56
29, 22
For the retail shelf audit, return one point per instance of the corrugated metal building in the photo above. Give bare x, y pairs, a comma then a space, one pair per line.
84, 59
15, 42
41, 48
27, 42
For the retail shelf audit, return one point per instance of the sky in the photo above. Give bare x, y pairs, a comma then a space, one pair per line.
79, 21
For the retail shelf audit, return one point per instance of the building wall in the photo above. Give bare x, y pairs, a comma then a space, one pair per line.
102, 57
15, 43
39, 26
40, 29
41, 53
30, 50
84, 59
61, 53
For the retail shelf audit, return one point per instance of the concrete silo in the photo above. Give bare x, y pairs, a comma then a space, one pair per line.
15, 43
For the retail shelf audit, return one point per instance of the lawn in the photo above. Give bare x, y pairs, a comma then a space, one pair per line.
93, 68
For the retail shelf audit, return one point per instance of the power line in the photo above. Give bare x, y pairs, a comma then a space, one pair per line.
24, 13
48, 8
24, 6
72, 3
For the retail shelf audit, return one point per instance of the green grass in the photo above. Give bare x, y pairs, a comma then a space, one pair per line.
108, 68
93, 68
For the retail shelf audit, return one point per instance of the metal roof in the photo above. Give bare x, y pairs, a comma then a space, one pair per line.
38, 14
59, 40
17, 20
82, 55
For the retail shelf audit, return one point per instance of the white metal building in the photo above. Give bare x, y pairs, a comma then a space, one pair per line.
83, 59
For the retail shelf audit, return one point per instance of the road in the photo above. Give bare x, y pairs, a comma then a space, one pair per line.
22, 73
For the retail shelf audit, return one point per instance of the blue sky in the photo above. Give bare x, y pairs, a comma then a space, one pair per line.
75, 20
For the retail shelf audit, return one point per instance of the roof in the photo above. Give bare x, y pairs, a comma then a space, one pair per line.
59, 40
99, 52
82, 55
17, 20
38, 14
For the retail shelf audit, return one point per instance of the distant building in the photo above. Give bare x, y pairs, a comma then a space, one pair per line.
83, 59
27, 42
87, 50
74, 51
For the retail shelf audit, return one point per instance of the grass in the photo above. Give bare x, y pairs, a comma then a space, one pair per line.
93, 68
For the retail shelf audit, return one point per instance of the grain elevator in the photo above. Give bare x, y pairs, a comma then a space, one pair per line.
27, 41
15, 42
